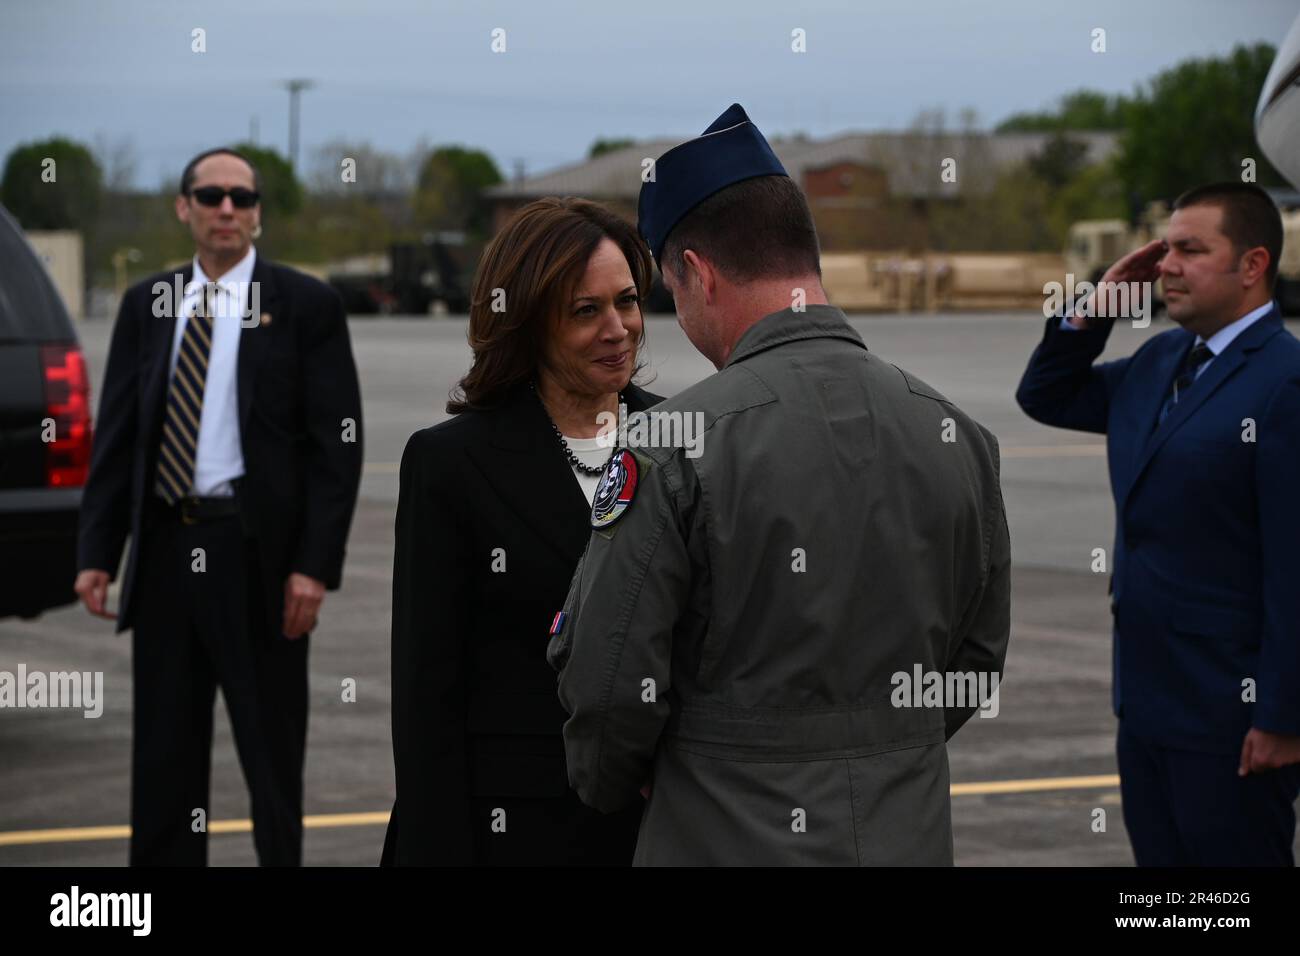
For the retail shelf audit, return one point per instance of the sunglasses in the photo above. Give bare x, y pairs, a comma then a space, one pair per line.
240, 197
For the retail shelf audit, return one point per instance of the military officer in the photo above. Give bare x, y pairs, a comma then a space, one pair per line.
733, 640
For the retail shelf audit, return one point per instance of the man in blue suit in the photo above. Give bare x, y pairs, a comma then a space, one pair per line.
1203, 441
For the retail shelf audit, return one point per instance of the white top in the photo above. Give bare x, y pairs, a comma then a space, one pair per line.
219, 457
592, 452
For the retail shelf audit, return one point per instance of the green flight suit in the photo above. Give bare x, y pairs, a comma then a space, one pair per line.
734, 637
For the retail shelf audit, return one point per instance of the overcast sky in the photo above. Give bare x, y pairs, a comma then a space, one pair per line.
392, 72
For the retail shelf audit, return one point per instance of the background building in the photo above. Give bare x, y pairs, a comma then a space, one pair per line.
867, 191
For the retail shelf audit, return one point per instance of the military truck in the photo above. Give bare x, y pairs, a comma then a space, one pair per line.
417, 278
1093, 245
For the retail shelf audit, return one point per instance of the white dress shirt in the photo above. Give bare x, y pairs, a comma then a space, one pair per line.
220, 458
1221, 339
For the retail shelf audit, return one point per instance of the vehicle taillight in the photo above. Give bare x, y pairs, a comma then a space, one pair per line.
67, 401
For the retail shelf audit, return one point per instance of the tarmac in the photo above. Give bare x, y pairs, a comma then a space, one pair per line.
1026, 783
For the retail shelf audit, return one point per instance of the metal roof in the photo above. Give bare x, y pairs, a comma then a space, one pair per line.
910, 159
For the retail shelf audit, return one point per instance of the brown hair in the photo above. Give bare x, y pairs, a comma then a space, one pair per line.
1250, 219
758, 228
535, 262
189, 174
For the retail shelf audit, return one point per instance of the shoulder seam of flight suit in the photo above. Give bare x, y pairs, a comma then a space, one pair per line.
918, 387
768, 397
719, 385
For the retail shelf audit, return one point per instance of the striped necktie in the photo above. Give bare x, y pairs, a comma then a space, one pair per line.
1195, 359
179, 448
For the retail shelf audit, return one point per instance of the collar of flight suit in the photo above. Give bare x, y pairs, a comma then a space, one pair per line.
788, 325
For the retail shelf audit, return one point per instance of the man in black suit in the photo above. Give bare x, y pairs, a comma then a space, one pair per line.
229, 447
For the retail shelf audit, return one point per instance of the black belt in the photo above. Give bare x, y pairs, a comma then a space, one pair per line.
193, 509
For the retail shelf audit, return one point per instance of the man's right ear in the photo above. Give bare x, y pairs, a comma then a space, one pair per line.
698, 272
691, 270
182, 207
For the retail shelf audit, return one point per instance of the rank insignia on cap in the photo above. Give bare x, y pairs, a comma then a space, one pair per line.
615, 491
557, 622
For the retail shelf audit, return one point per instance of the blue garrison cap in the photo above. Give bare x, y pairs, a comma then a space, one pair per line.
729, 151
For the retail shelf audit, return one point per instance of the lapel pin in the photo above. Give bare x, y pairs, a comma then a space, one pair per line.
266, 318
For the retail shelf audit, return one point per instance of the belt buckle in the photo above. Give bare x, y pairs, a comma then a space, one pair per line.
186, 516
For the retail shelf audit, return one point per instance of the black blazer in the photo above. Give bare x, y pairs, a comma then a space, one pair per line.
491, 524
297, 382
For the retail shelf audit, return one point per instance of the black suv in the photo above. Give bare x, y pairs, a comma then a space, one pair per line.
44, 433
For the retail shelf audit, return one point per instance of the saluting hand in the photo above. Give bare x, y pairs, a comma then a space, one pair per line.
1262, 750
1140, 265
302, 597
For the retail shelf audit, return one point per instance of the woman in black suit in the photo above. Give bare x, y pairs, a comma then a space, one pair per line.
492, 517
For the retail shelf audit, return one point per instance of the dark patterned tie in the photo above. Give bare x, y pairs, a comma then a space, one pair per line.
1195, 359
180, 435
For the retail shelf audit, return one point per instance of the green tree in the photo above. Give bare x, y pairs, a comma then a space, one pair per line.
1096, 192
281, 191
450, 191
602, 146
1194, 123
1013, 215
1082, 109
1059, 161
63, 195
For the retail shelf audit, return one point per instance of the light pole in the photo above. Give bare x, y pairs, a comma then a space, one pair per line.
295, 87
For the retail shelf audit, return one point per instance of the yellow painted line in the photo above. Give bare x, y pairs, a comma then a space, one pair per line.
380, 817
65, 835
1099, 782
373, 819
88, 834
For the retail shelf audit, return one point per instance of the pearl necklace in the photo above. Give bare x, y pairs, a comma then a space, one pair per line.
574, 460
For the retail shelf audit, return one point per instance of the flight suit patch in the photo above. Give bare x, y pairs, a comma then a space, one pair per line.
616, 489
